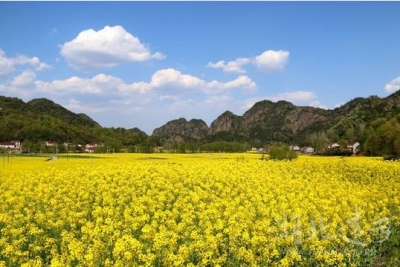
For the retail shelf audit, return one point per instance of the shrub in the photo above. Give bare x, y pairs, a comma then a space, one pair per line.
282, 152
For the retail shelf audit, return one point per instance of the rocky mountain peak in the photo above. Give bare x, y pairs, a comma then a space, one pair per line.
227, 121
181, 130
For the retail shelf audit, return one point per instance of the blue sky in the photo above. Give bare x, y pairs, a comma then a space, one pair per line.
141, 64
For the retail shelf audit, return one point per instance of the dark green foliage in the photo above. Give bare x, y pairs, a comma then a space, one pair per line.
337, 152
281, 152
385, 140
39, 120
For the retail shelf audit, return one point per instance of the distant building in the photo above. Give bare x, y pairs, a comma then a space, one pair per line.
352, 146
355, 147
90, 148
294, 148
11, 145
307, 150
50, 143
334, 145
68, 145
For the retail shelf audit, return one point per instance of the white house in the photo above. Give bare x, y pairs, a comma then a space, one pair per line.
92, 147
13, 144
307, 150
354, 146
294, 148
50, 143
334, 145
7, 145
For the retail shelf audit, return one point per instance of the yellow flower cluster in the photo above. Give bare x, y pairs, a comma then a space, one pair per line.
200, 212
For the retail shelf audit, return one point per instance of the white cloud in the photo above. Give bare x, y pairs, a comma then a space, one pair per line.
100, 83
6, 64
9, 64
317, 104
25, 78
106, 48
271, 60
294, 97
240, 82
176, 79
393, 86
163, 85
231, 66
33, 61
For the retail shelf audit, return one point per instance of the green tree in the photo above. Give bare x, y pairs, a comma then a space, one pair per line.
281, 152
385, 140
319, 141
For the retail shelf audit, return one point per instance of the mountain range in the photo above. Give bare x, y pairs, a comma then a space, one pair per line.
282, 121
264, 122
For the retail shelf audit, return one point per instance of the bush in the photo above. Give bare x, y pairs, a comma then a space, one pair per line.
282, 152
391, 157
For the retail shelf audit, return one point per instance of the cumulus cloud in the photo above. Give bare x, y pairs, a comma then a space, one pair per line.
163, 84
240, 82
269, 60
100, 83
393, 86
231, 66
9, 64
174, 78
106, 48
25, 78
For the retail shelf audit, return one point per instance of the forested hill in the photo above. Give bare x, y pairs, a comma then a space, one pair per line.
42, 119
372, 121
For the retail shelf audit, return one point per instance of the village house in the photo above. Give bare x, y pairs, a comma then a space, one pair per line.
90, 148
303, 149
355, 147
258, 150
68, 145
352, 146
11, 145
333, 145
307, 150
50, 143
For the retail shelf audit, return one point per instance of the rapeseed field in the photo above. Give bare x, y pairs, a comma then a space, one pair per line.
196, 210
